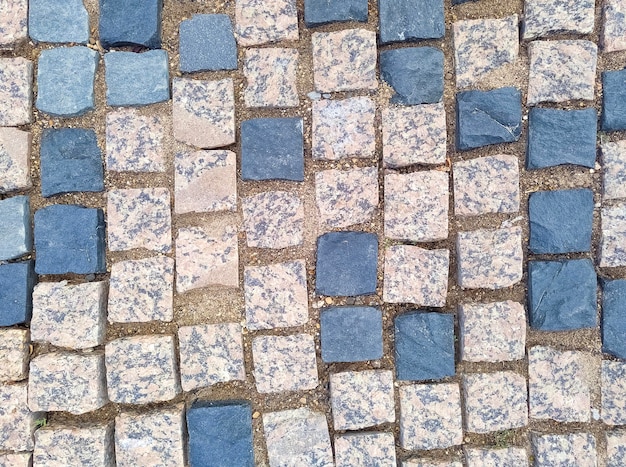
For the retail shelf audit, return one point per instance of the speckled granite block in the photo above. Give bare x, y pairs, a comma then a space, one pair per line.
141, 290
134, 142
410, 20
613, 170
361, 399
577, 449
615, 448
14, 26
207, 43
71, 316
268, 21
17, 422
614, 31
271, 76
416, 206
154, 438
430, 416
558, 385
14, 159
507, 457
284, 363
613, 385
142, 369
344, 60
613, 243
365, 449
414, 135
67, 382
613, 317
210, 354
415, 275
16, 91
14, 354
542, 17
561, 71
16, 287
351, 334
486, 185
492, 332
276, 296
130, 23
204, 259
16, 234
139, 218
58, 21
274, 219
65, 445
16, 459
203, 112
482, 46
346, 197
343, 128
206, 181
297, 438
318, 12
427, 462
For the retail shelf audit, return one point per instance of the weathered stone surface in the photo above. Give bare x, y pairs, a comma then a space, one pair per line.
507, 457
561, 71
207, 43
613, 385
351, 334
428, 462
268, 21
613, 170
571, 449
136, 78
14, 27
17, 422
542, 17
365, 449
130, 22
273, 219
16, 287
318, 12
615, 448
16, 91
613, 100
14, 355
344, 60
14, 159
271, 75
65, 445
414, 73
58, 21
284, 363
410, 20
16, 459
613, 243
16, 235
614, 31
613, 317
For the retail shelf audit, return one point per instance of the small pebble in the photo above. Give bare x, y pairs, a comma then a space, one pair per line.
256, 415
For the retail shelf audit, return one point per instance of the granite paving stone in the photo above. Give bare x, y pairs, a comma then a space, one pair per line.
14, 159
613, 35
613, 170
344, 60
613, 100
207, 43
276, 295
17, 422
543, 17
374, 448
284, 363
416, 275
505, 457
416, 206
424, 346
210, 354
263, 22
577, 449
16, 459
486, 185
613, 318
361, 399
142, 369
16, 91
14, 355
58, 21
67, 382
430, 416
561, 71
65, 81
14, 26
613, 383
343, 129
482, 46
410, 20
428, 462
130, 22
414, 135
73, 445
489, 259
615, 448
16, 287
16, 235
351, 334
72, 316
271, 75
558, 385
613, 243
319, 12
273, 219
203, 112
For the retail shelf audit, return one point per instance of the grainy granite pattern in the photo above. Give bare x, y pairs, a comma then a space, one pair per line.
259, 22
68, 445
577, 449
507, 457
614, 170
14, 354
17, 422
16, 459
274, 219
615, 448
613, 382
16, 91
271, 75
373, 449
542, 17
429, 463
613, 243
14, 25
14, 159
614, 29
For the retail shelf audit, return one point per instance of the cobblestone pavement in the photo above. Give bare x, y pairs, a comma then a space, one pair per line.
313, 233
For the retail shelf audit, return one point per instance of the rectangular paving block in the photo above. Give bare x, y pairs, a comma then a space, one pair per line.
14, 159
58, 22
14, 354
365, 449
16, 234
130, 22
16, 287
69, 445
613, 317
280, 21
17, 422
410, 20
351, 334
542, 17
271, 76
16, 459
568, 449
318, 12
14, 30
273, 219
200, 30
613, 170
615, 448
613, 243
511, 456
16, 91
613, 387
613, 35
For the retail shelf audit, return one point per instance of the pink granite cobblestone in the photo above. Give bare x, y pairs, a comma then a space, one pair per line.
431, 463
542, 17
267, 21
17, 422
616, 448
507, 457
613, 242
576, 449
614, 170
614, 30
373, 448
14, 24
14, 159
14, 354
271, 76
16, 91
613, 388
69, 445
274, 219
16, 459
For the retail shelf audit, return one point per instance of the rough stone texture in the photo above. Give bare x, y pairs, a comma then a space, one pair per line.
373, 448
343, 128
65, 81
416, 206
203, 112
613, 170
414, 135
268, 21
613, 317
346, 197
614, 31
271, 76
134, 143
210, 354
154, 438
71, 316
14, 27
482, 46
507, 457
351, 334
204, 259
16, 286
207, 43
615, 448
415, 275
130, 22
67, 382
142, 369
297, 438
430, 416
428, 462
318, 12
613, 393
494, 401
274, 219
360, 399
558, 385
16, 235
14, 159
206, 181
489, 259
139, 218
17, 422
613, 243
542, 17
561, 71
410, 20
344, 60
58, 21
613, 100
577, 449
68, 445
284, 363
141, 290
486, 185
14, 354
16, 91
276, 296
16, 459
492, 332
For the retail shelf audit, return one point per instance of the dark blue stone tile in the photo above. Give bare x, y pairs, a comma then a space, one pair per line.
207, 42
351, 334
562, 294
130, 22
346, 264
58, 21
318, 12
410, 20
16, 292
614, 100
614, 317
16, 235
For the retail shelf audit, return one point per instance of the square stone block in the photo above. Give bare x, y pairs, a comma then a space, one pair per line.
513, 457
613, 100
268, 21
351, 334
613, 37
570, 449
410, 20
16, 459
613, 243
273, 219
613, 317
16, 234
58, 22
318, 12
125, 23
14, 30
613, 170
196, 33
17, 422
542, 17
271, 76
14, 354
16, 91
365, 449
16, 288
613, 383
14, 159
615, 448
68, 445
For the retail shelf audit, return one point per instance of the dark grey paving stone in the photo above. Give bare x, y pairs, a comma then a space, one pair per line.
614, 318
488, 117
424, 346
16, 289
560, 221
614, 100
415, 74
317, 12
16, 236
562, 295
351, 334
558, 137
410, 20
58, 21
207, 43
130, 22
